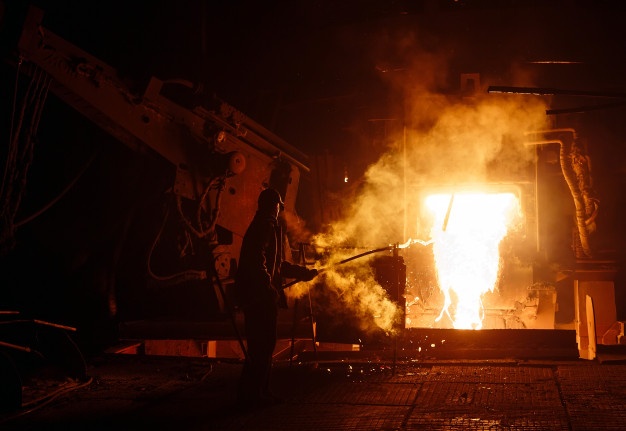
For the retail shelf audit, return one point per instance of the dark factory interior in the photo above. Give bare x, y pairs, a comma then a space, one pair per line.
138, 135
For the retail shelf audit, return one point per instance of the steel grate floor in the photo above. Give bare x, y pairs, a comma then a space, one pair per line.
346, 395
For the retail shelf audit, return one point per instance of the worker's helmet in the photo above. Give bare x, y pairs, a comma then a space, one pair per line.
269, 198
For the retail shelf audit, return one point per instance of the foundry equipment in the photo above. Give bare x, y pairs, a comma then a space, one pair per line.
218, 159
221, 158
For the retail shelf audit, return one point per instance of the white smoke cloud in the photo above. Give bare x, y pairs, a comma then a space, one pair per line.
446, 140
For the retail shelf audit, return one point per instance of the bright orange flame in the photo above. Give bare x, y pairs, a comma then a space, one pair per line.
466, 233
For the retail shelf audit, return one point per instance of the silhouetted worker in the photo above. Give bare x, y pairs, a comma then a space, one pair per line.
259, 294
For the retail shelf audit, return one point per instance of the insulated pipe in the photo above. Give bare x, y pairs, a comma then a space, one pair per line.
566, 139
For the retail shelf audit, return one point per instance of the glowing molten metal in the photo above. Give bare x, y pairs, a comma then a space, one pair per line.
467, 231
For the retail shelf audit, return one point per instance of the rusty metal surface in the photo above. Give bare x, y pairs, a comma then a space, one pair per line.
134, 392
489, 397
594, 396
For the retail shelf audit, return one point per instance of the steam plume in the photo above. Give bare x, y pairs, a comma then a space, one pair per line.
445, 140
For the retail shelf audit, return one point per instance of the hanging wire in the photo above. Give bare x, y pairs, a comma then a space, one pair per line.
201, 231
6, 168
38, 102
20, 150
60, 195
186, 275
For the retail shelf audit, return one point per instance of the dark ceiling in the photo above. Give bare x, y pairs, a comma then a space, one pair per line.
311, 70
320, 73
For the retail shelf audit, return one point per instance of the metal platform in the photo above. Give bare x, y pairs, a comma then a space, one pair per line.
129, 392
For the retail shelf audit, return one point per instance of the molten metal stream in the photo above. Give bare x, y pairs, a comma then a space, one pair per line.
466, 252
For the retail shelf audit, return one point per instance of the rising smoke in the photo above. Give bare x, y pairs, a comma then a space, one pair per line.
446, 140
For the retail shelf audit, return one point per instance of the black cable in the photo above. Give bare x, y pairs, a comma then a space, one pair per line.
60, 195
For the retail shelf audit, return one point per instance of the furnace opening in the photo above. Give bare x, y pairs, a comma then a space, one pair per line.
469, 277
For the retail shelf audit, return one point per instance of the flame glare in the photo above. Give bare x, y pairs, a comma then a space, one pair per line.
467, 235
431, 139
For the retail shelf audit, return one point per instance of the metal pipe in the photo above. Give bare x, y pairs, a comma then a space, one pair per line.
390, 247
566, 148
546, 91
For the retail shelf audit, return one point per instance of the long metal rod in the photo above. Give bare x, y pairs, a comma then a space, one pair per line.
445, 220
231, 313
547, 91
341, 262
587, 108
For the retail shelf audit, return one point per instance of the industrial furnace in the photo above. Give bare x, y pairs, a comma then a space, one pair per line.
514, 252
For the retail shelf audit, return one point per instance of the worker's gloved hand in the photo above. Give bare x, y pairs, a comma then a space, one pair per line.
309, 274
